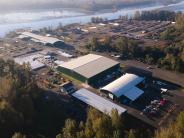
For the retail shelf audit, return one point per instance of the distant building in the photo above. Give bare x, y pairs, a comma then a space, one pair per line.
32, 60
51, 41
89, 68
126, 86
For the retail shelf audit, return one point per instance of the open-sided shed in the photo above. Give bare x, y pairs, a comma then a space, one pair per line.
98, 102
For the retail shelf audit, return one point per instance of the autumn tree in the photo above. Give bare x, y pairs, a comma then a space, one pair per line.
97, 125
122, 45
70, 129
174, 130
18, 135
180, 22
131, 134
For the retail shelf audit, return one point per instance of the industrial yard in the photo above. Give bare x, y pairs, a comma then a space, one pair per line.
62, 65
78, 35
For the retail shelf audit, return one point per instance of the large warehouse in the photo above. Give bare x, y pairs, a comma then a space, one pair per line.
126, 86
89, 68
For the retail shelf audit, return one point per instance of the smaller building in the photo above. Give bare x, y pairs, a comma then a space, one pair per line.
126, 86
98, 102
67, 88
32, 60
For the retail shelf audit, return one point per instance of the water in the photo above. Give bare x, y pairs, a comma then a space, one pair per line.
27, 16
176, 7
8, 22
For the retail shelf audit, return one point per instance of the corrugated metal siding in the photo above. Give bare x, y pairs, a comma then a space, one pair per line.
72, 74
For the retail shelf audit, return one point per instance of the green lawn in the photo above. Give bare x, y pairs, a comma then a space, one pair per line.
122, 66
72, 79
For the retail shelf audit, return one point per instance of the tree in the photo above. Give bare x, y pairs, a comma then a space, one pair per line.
92, 115
156, 15
180, 22
102, 127
18, 135
166, 133
94, 43
174, 130
97, 20
107, 42
180, 123
6, 86
116, 120
149, 59
89, 132
131, 134
117, 134
182, 55
81, 133
24, 105
168, 34
97, 125
122, 45
70, 129
137, 15
124, 17
10, 118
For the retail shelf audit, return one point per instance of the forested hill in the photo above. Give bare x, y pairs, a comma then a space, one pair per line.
93, 5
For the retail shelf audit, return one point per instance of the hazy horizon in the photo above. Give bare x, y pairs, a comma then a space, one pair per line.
11, 5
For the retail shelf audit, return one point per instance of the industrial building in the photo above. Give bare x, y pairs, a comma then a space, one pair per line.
50, 41
128, 86
32, 60
98, 102
67, 88
89, 68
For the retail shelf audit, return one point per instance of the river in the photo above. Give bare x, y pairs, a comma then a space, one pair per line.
37, 20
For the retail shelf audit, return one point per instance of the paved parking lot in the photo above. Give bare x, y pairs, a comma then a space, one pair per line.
170, 76
173, 104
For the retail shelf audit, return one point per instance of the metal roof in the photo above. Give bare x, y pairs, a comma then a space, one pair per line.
35, 64
125, 85
97, 102
80, 61
89, 65
42, 39
133, 93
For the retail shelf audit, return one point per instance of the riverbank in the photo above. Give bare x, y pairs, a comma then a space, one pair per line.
79, 18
